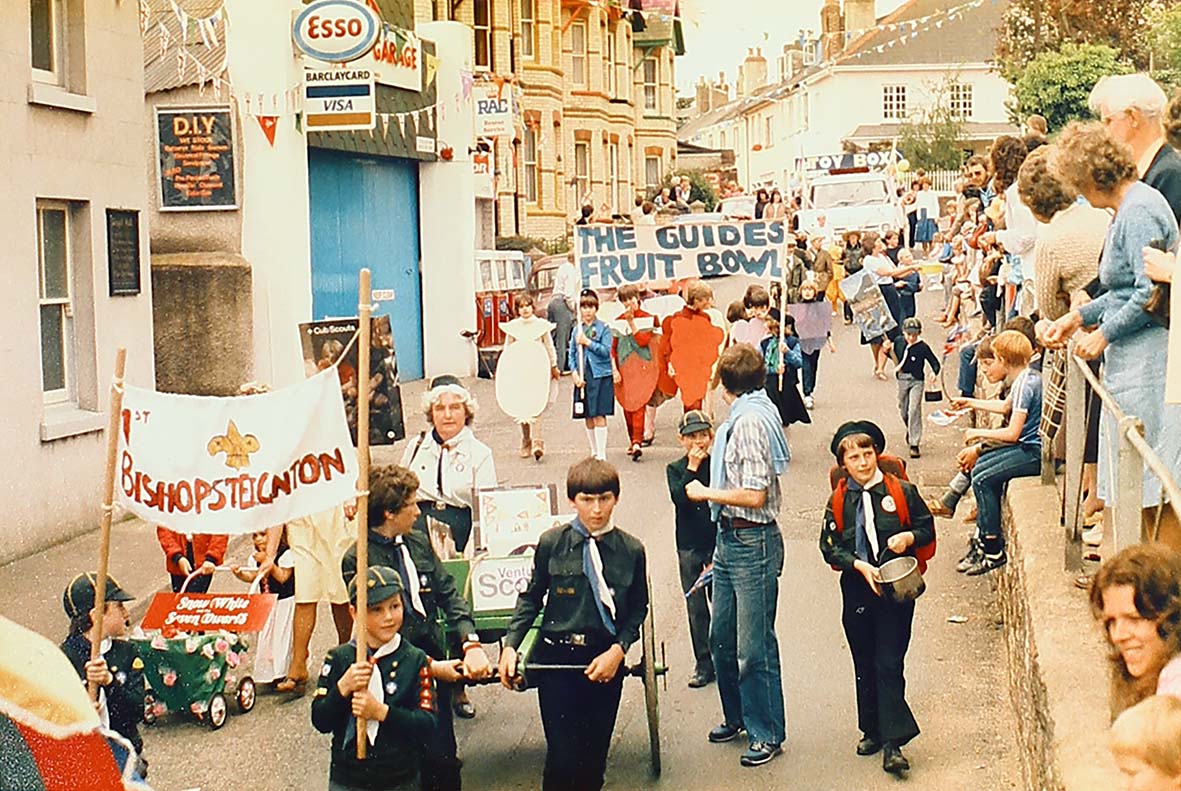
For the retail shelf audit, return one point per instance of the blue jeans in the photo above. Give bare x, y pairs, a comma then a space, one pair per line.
811, 363
747, 565
990, 475
967, 377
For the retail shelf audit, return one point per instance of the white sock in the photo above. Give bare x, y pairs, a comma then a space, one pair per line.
600, 440
591, 441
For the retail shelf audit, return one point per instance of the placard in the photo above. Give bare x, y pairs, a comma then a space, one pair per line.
323, 344
123, 274
209, 612
494, 109
496, 582
512, 518
195, 158
338, 100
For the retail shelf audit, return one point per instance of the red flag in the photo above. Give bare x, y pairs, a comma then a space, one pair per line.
268, 124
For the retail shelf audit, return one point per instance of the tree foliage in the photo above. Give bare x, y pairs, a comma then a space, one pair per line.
1057, 84
932, 137
699, 187
1032, 27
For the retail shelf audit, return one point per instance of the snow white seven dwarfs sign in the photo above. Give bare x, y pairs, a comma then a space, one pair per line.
199, 464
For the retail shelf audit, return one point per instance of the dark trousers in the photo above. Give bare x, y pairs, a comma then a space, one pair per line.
200, 583
578, 717
878, 632
811, 364
562, 317
440, 767
692, 562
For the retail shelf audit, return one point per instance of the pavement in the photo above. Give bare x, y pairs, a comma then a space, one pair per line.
956, 670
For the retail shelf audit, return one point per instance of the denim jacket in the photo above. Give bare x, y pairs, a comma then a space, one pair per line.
598, 354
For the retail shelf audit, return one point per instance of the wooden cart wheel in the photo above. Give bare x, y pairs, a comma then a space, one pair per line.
651, 701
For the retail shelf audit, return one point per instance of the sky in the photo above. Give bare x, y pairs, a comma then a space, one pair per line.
718, 33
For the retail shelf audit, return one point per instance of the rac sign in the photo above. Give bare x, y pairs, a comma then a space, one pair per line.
336, 31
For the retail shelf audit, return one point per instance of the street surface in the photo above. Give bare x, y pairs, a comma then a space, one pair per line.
956, 673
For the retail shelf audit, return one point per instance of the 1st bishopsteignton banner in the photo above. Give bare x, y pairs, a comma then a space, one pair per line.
612, 255
199, 464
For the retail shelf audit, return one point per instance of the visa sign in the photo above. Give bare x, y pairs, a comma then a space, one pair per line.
336, 31
494, 109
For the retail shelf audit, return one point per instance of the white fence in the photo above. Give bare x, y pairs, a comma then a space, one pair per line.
941, 180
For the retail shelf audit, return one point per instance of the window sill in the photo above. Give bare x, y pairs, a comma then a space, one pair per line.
66, 420
55, 96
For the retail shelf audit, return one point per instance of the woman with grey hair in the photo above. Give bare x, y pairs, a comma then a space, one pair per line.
1133, 347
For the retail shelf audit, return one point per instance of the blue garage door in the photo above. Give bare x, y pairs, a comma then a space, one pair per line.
365, 213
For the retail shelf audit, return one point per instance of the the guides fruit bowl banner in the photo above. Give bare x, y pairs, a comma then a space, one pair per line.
200, 464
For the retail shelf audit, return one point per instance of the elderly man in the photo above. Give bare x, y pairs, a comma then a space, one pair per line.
1132, 107
749, 454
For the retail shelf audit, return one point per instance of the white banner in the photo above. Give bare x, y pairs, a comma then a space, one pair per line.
200, 464
612, 255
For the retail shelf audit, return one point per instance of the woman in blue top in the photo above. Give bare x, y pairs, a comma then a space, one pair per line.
594, 372
1134, 348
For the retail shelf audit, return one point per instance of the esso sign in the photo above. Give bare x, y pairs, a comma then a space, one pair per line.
336, 31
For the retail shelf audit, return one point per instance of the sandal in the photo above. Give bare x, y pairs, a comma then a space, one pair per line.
292, 686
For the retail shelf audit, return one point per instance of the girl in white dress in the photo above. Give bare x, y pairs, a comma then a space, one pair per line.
273, 652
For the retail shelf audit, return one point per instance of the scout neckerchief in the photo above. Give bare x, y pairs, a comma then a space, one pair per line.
376, 689
439, 468
866, 531
409, 574
592, 567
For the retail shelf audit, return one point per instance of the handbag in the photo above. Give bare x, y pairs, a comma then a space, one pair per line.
932, 390
1157, 306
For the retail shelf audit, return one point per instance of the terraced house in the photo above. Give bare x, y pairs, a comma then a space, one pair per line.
594, 100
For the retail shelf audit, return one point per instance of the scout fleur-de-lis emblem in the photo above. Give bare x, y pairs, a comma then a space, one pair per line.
235, 446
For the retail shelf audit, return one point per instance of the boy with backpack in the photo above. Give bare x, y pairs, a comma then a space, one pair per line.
874, 517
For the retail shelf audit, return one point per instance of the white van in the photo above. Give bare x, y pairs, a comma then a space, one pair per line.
864, 201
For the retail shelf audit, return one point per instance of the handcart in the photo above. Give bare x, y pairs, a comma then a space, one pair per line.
508, 521
193, 671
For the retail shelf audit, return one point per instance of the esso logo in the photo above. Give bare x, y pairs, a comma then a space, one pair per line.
336, 31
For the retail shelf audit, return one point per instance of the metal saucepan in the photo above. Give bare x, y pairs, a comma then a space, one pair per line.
900, 579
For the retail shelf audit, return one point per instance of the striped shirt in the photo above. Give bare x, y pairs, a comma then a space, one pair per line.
748, 466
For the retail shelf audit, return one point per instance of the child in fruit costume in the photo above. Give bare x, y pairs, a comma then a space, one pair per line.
692, 341
520, 370
636, 347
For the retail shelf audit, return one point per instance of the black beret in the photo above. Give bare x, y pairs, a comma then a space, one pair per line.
858, 427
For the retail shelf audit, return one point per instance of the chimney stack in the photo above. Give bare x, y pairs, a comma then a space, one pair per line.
860, 15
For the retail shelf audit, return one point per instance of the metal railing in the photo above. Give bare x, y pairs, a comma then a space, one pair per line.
1132, 453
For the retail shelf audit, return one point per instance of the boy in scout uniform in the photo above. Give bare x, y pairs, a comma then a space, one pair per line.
427, 590
118, 672
872, 518
391, 688
590, 585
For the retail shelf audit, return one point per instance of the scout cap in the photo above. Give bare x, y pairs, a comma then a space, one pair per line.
382, 583
912, 325
693, 421
858, 427
78, 597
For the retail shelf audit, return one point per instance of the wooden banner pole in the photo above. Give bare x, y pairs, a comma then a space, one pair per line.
782, 323
364, 335
104, 530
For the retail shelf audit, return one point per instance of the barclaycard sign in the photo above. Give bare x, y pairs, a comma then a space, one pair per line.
336, 31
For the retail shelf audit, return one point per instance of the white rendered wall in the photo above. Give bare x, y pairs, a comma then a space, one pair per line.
447, 216
276, 236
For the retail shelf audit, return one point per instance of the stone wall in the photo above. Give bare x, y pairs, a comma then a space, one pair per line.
1055, 652
202, 314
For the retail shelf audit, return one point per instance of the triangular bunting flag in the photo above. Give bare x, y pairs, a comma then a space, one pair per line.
432, 66
145, 16
385, 124
268, 123
204, 33
401, 123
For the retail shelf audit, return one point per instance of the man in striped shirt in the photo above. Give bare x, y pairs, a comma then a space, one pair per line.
748, 456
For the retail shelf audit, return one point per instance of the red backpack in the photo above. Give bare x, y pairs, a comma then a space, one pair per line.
894, 487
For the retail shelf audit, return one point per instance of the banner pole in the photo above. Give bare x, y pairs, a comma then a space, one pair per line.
782, 317
104, 530
364, 310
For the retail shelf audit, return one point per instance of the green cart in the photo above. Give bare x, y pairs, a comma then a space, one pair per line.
493, 610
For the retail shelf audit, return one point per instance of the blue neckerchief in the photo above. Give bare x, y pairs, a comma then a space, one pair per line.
592, 578
859, 522
759, 404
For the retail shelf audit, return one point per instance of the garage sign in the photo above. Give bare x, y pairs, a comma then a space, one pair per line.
336, 31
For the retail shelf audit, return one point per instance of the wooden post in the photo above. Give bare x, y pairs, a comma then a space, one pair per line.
782, 325
364, 310
104, 530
